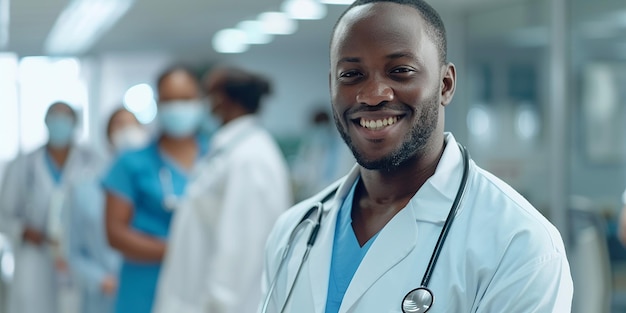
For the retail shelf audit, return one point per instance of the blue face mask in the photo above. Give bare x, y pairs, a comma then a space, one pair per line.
60, 130
179, 119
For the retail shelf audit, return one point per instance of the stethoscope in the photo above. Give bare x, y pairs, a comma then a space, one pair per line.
170, 199
418, 300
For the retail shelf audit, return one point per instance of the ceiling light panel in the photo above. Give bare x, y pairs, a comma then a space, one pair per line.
82, 23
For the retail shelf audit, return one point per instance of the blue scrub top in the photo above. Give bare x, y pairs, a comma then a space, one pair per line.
347, 255
136, 177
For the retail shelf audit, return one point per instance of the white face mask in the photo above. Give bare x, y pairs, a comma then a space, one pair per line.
129, 138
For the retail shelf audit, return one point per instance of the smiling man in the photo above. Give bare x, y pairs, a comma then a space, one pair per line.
415, 211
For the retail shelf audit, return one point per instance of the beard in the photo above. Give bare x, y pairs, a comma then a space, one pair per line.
413, 143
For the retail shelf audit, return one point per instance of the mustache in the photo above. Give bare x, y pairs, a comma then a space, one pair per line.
387, 106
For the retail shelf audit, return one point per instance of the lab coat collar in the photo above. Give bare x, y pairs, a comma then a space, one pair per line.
430, 204
74, 167
232, 131
433, 200
319, 260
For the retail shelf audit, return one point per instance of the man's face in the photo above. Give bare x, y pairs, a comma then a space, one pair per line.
386, 84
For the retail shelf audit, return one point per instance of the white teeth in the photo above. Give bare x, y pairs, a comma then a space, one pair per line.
378, 124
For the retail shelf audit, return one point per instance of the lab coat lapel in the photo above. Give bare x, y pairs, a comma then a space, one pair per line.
386, 251
398, 238
319, 261
40, 173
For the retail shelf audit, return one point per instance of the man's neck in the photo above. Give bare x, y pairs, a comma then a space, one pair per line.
381, 194
182, 150
59, 155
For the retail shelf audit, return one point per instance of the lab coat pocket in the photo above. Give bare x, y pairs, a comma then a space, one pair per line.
206, 204
204, 194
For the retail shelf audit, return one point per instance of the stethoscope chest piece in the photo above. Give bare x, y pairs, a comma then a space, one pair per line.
418, 300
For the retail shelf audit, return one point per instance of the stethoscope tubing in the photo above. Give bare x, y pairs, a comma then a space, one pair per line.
451, 215
319, 208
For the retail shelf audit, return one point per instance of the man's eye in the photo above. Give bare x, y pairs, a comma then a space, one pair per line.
402, 70
350, 74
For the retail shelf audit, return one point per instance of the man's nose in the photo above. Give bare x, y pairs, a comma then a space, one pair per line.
374, 92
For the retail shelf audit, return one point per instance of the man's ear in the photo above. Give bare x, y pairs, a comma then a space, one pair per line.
448, 83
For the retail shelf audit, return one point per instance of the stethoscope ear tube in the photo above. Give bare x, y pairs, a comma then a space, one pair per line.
316, 225
317, 222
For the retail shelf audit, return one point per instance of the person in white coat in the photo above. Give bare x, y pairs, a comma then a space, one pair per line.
214, 258
94, 263
32, 202
390, 83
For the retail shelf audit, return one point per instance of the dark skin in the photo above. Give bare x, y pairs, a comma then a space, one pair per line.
385, 66
178, 85
221, 105
118, 121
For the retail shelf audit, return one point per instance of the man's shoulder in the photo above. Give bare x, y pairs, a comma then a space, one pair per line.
290, 218
513, 218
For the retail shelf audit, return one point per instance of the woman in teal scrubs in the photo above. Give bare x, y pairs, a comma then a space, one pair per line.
143, 187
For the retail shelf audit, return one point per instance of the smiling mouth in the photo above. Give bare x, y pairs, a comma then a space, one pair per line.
378, 124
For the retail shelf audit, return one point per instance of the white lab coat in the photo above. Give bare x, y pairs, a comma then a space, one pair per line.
90, 257
27, 195
501, 255
215, 250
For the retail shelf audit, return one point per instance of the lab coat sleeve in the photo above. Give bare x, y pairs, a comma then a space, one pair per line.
88, 271
12, 201
251, 206
542, 285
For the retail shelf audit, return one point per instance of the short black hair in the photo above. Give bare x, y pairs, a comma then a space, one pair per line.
241, 86
436, 30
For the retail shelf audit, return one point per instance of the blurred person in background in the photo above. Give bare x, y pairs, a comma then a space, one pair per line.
143, 189
322, 157
94, 263
215, 254
32, 203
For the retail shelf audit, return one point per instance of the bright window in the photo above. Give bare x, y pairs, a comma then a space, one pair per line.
43, 81
9, 145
